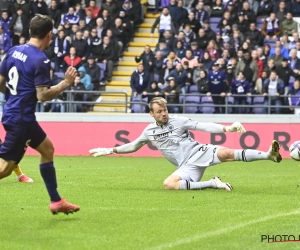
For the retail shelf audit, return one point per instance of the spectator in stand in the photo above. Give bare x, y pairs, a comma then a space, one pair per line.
151, 92
189, 34
146, 57
174, 11
122, 35
167, 36
255, 36
208, 63
242, 23
272, 89
210, 34
72, 59
294, 99
100, 28
74, 30
179, 49
258, 88
196, 52
61, 48
260, 63
24, 6
200, 14
93, 70
229, 76
266, 52
195, 24
19, 26
95, 42
183, 13
270, 66
93, 8
181, 37
217, 86
192, 62
180, 75
107, 56
5, 22
67, 28
167, 70
166, 22
8, 6
249, 14
284, 72
39, 7
71, 17
82, 25
294, 61
110, 6
240, 86
139, 81
233, 11
292, 44
248, 67
296, 8
172, 92
79, 97
163, 48
217, 9
202, 39
277, 57
79, 11
271, 28
107, 20
85, 78
265, 8
254, 6
213, 50
156, 67
5, 44
171, 57
202, 82
283, 51
89, 19
81, 46
55, 13
282, 11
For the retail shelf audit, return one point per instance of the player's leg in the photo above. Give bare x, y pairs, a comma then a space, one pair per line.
6, 168
17, 170
248, 155
41, 143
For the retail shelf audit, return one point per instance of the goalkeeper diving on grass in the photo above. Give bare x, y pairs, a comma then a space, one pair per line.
170, 135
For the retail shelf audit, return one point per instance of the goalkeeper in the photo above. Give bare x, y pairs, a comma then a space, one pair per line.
170, 135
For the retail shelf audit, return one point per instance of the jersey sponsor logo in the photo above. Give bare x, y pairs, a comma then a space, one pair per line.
47, 61
162, 135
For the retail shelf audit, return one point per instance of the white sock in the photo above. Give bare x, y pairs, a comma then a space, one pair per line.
189, 185
248, 155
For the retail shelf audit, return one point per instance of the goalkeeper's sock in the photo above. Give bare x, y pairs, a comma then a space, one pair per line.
188, 185
18, 171
250, 155
49, 176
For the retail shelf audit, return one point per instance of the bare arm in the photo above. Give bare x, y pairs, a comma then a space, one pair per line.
2, 84
218, 128
46, 94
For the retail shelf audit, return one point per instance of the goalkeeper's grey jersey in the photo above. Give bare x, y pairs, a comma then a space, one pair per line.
173, 139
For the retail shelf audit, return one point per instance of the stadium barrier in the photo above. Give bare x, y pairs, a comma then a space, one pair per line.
74, 134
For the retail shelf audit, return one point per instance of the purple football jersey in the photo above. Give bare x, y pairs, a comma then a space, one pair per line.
25, 67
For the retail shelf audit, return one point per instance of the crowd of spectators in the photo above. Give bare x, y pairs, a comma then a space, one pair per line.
227, 49
86, 34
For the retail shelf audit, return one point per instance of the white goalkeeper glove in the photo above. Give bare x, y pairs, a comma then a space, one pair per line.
236, 127
101, 151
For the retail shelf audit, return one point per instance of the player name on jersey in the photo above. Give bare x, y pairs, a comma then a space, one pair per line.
18, 55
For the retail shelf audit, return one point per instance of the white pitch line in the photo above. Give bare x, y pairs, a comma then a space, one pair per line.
218, 232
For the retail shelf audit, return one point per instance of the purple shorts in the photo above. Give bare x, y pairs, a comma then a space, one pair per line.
18, 138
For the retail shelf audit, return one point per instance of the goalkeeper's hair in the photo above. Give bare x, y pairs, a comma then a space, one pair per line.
158, 100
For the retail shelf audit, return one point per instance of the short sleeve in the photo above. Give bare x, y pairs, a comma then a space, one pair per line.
42, 73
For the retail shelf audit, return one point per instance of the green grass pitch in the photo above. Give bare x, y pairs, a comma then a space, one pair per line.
124, 206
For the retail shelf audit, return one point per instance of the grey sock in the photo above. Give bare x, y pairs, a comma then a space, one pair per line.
250, 155
189, 185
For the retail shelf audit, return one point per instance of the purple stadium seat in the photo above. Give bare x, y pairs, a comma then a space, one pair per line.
259, 22
189, 100
162, 86
60, 75
271, 42
207, 105
139, 108
258, 100
192, 89
103, 68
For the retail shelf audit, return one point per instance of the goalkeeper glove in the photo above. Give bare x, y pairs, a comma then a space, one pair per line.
101, 151
235, 127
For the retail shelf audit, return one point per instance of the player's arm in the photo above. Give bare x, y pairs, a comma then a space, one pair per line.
44, 93
2, 84
218, 128
123, 149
